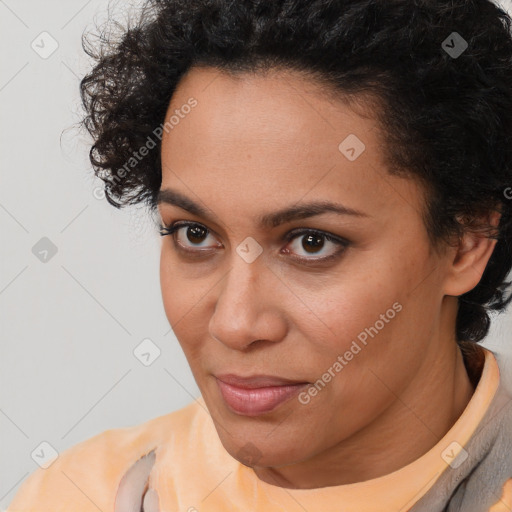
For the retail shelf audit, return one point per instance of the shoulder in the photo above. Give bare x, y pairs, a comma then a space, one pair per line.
86, 476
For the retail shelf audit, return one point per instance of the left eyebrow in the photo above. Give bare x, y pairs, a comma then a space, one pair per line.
269, 220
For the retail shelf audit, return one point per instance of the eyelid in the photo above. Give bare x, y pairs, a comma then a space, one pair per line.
167, 229
173, 227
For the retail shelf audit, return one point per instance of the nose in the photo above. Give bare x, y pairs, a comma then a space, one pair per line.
249, 306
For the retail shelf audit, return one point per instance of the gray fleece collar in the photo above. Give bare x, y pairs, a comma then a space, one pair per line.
477, 484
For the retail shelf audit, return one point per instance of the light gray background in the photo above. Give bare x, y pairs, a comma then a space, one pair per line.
69, 326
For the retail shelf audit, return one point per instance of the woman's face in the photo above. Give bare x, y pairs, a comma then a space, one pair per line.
359, 317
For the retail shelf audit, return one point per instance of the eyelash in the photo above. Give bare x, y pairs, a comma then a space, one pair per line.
297, 233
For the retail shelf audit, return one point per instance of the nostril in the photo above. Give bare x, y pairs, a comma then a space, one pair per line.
133, 487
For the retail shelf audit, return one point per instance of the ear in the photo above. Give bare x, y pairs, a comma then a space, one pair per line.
469, 259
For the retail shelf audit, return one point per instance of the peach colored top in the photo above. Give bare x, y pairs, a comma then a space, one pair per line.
192, 472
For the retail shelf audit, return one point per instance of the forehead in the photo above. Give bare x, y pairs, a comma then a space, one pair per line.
274, 139
278, 107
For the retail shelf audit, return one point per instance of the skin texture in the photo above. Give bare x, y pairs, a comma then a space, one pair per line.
256, 144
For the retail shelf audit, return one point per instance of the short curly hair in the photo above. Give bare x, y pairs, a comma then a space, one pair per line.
437, 73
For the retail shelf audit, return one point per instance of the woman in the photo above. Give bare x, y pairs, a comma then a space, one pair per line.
333, 184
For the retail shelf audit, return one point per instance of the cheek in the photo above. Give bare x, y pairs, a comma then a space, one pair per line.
183, 299
361, 332
177, 295
346, 308
372, 320
169, 286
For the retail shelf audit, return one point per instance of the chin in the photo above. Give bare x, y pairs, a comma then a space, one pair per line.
263, 452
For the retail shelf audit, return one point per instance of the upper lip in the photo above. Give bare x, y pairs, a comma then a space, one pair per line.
256, 381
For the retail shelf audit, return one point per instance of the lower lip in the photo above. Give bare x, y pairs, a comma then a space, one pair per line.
252, 402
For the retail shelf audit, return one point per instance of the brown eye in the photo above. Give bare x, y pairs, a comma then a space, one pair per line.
192, 238
311, 242
188, 235
196, 234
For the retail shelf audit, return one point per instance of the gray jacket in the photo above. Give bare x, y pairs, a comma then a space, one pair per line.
477, 484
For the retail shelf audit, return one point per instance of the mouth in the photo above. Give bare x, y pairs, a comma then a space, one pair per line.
259, 394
